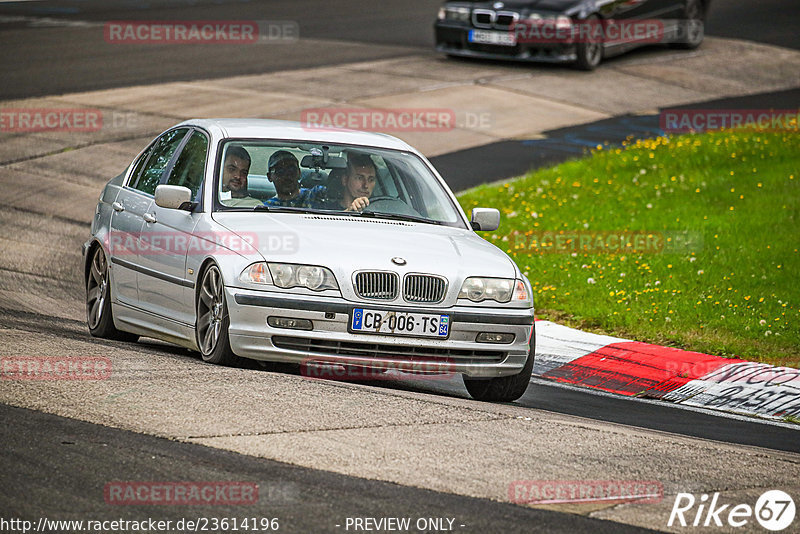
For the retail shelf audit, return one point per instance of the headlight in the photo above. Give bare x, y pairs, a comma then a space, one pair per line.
473, 289
562, 22
256, 274
479, 289
458, 14
311, 277
521, 293
287, 275
282, 274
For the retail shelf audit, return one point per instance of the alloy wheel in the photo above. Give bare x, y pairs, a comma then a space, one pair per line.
96, 289
211, 311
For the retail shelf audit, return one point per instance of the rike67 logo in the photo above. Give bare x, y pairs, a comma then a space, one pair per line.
774, 510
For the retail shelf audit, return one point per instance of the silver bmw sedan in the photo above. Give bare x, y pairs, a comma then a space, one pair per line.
278, 242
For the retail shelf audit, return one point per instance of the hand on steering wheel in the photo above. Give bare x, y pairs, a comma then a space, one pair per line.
358, 204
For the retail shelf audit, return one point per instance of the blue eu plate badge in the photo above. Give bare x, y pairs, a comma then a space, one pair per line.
444, 324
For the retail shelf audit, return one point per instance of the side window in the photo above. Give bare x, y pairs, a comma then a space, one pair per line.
138, 166
190, 166
160, 156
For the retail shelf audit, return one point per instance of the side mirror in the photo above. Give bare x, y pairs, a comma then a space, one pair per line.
175, 197
485, 219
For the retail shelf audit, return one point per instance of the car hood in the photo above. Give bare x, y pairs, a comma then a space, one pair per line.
544, 5
347, 244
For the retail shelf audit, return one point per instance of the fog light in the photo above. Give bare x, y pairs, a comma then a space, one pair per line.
288, 322
494, 337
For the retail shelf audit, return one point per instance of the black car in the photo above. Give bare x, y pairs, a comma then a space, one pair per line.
582, 32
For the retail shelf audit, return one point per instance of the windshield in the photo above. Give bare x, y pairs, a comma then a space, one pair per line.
345, 180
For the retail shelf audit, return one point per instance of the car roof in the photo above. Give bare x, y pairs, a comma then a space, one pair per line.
277, 129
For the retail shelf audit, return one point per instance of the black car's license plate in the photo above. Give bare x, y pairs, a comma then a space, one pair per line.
492, 38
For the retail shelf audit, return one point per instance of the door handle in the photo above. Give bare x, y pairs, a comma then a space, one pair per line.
117, 206
149, 217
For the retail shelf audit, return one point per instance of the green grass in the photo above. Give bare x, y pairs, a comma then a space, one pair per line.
791, 419
731, 289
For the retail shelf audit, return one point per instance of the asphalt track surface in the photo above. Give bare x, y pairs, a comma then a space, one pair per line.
52, 38
57, 468
60, 465
496, 161
544, 395
304, 500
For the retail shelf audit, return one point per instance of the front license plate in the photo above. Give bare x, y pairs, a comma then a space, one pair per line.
493, 38
399, 323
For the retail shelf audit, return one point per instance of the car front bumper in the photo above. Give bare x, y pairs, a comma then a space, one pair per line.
453, 39
331, 341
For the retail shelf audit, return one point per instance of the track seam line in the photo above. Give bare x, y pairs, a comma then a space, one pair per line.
370, 427
66, 149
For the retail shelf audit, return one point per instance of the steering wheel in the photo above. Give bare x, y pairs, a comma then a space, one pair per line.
383, 198
391, 205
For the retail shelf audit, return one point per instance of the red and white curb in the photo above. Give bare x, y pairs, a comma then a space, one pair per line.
690, 378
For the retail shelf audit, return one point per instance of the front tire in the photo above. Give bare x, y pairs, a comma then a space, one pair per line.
213, 320
694, 18
589, 52
503, 388
99, 316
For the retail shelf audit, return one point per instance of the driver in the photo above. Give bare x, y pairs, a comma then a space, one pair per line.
358, 183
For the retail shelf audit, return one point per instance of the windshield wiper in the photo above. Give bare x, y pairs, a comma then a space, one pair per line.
366, 213
410, 218
291, 209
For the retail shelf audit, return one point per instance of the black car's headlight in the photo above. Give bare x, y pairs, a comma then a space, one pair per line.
501, 290
457, 14
561, 22
289, 275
